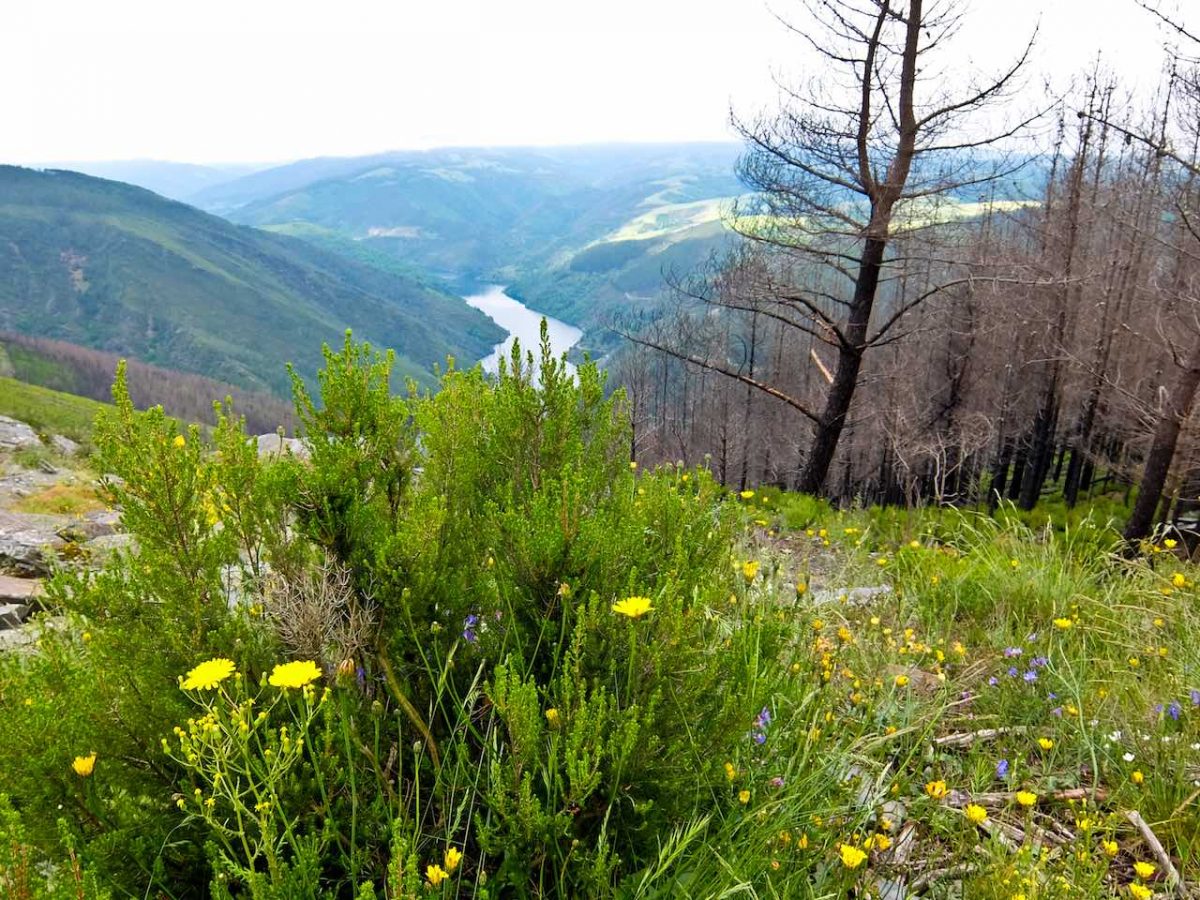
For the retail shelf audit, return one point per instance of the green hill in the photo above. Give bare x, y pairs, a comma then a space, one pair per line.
118, 268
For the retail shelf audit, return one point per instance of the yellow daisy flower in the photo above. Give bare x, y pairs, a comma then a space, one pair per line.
208, 675
294, 674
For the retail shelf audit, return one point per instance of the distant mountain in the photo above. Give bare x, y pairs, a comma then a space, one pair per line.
539, 218
118, 268
178, 181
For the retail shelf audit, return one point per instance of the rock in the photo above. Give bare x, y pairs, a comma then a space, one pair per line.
19, 590
29, 543
25, 638
91, 526
48, 467
15, 435
275, 445
64, 445
99, 549
13, 614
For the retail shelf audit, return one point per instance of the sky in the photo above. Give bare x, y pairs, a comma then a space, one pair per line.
275, 80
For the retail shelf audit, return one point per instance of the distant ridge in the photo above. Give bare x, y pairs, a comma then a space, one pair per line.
118, 268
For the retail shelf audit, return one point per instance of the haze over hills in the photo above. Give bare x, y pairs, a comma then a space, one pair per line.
176, 180
115, 267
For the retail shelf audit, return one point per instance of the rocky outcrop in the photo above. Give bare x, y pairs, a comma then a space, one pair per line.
29, 543
272, 445
15, 435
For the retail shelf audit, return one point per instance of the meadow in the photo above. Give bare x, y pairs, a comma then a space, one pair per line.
469, 649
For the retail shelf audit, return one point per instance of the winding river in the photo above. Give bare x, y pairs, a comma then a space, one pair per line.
521, 323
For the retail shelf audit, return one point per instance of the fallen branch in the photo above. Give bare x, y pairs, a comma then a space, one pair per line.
969, 738
1156, 848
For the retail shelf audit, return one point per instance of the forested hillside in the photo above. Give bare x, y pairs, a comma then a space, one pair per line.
117, 268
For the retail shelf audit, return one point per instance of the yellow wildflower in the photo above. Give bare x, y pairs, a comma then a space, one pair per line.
1140, 892
436, 874
179, 441
1143, 869
976, 814
743, 796
746, 495
1137, 777
915, 544
750, 569
1110, 848
552, 717
294, 674
633, 607
632, 465
852, 857
1045, 743
730, 771
1063, 623
1026, 798
1169, 543
901, 680
936, 789
84, 765
208, 675
453, 858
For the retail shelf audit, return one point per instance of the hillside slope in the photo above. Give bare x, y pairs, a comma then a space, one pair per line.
117, 268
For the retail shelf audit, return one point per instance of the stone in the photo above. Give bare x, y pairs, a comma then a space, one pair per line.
64, 445
857, 596
91, 526
16, 435
276, 445
13, 614
98, 550
19, 590
29, 543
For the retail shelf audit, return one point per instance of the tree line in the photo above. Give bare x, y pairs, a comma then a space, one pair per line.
945, 292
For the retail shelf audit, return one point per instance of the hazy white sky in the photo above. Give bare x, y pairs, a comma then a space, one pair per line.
254, 80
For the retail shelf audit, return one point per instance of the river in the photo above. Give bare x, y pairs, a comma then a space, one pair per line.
521, 323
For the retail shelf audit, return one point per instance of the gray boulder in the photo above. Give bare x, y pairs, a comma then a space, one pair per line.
276, 445
64, 445
15, 435
29, 543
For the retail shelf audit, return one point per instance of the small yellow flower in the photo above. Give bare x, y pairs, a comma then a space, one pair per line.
1134, 662
1045, 743
852, 857
976, 814
436, 874
1137, 777
730, 771
743, 797
801, 587
179, 441
881, 842
632, 465
901, 680
294, 674
882, 561
1026, 798
936, 789
1169, 543
84, 765
1063, 623
1015, 563
914, 544
1140, 892
633, 607
552, 717
1143, 869
208, 675
746, 495
1110, 848
453, 858
750, 570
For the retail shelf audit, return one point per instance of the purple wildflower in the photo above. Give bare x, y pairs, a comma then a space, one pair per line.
1012, 672
777, 781
1030, 676
1039, 662
1195, 695
759, 737
1057, 712
1173, 710
469, 624
1002, 769
1010, 652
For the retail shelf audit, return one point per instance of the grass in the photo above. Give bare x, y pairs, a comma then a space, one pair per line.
74, 499
47, 411
1004, 663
